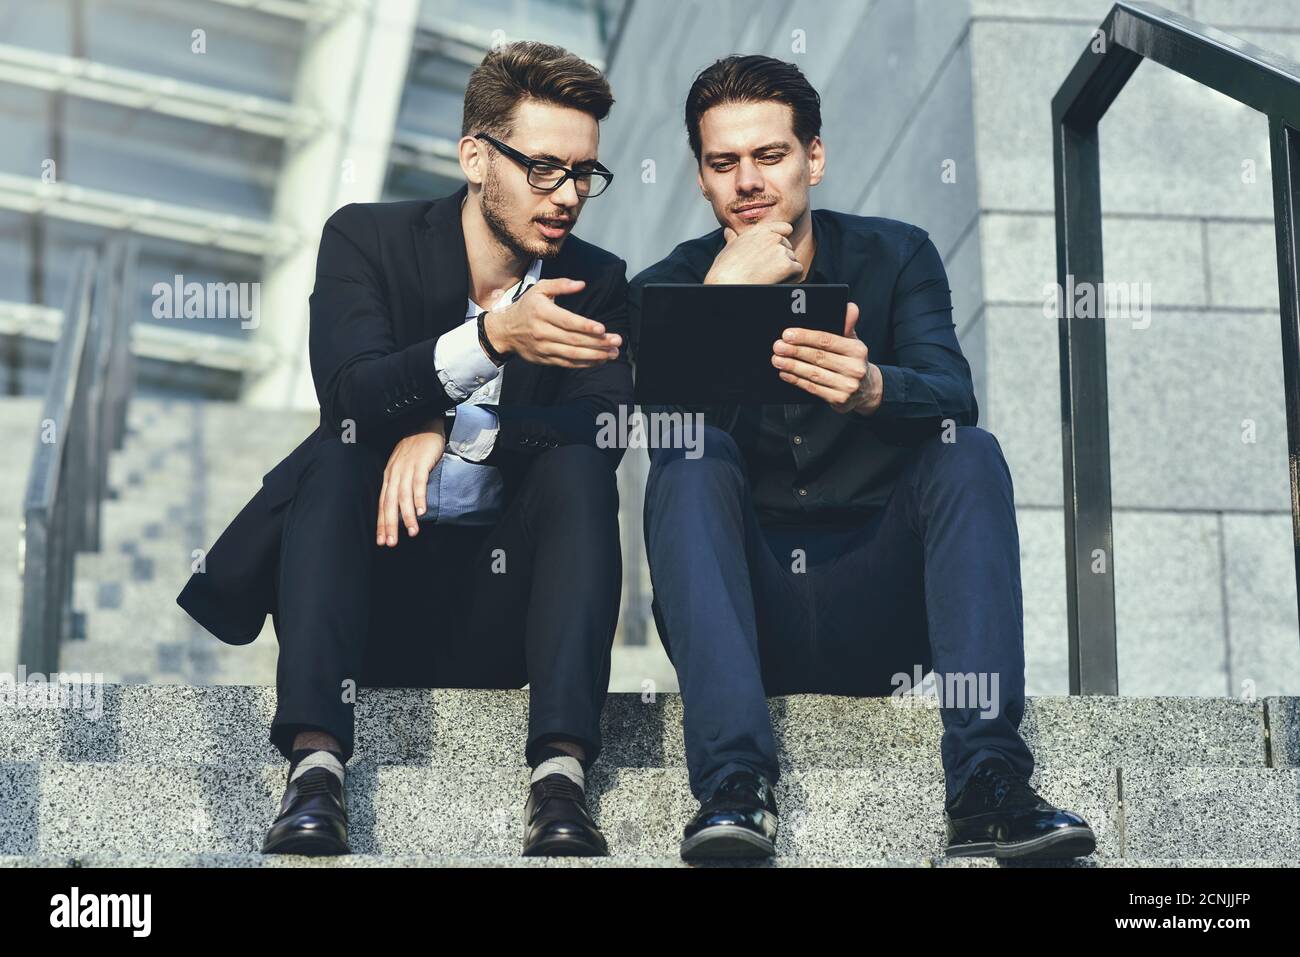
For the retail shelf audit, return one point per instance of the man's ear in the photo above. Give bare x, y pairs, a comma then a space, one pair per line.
816, 160
473, 159
699, 179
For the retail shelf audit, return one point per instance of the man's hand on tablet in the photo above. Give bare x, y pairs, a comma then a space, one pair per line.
761, 255
831, 367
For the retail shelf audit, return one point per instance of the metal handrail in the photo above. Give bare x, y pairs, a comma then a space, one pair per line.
82, 421
1264, 81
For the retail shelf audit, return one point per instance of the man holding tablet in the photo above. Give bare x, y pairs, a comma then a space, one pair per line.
849, 542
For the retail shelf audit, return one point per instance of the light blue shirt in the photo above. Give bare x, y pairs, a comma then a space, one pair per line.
461, 490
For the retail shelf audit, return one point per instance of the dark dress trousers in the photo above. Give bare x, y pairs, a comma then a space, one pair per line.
533, 599
812, 551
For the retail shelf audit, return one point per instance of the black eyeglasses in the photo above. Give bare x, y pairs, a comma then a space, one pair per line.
551, 176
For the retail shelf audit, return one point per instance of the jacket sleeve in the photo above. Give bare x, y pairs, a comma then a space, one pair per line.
586, 397
360, 374
930, 380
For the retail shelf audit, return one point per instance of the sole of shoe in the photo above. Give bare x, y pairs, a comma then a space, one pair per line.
565, 847
308, 843
1063, 843
726, 842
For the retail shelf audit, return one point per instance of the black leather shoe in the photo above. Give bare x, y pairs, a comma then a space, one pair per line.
739, 821
556, 821
313, 817
999, 815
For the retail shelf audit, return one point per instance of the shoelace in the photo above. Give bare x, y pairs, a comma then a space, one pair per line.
557, 785
315, 781
1006, 788
738, 789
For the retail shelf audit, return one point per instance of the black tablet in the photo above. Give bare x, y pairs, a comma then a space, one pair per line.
712, 345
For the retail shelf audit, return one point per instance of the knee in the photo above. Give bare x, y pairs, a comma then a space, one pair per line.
713, 464
973, 456
575, 480
348, 467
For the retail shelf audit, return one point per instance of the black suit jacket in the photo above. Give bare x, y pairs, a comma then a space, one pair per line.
390, 279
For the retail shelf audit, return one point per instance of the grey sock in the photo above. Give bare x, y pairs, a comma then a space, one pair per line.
570, 767
318, 759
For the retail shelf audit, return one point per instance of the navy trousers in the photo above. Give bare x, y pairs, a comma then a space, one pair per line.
930, 580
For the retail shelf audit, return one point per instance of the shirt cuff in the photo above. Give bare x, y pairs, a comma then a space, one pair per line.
433, 493
461, 364
473, 433
893, 392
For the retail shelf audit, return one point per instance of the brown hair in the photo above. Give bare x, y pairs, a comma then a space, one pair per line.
754, 79
528, 69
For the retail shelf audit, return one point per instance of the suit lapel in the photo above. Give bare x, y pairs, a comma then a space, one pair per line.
444, 286
444, 267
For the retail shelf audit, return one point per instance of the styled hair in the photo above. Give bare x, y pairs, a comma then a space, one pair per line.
754, 79
526, 69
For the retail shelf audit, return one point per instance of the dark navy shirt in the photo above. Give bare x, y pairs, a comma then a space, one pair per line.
809, 464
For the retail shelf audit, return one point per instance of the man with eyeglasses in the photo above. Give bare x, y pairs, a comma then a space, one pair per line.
453, 522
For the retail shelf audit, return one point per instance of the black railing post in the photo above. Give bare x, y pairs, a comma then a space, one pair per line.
82, 422
1092, 86
122, 370
1285, 142
1257, 78
50, 529
1085, 423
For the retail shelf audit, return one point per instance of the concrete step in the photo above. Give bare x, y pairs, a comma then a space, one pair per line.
160, 415
350, 861
199, 481
883, 811
173, 650
166, 521
20, 418
170, 724
886, 811
244, 860
118, 861
177, 774
210, 450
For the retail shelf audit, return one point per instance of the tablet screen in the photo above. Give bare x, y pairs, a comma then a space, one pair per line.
712, 345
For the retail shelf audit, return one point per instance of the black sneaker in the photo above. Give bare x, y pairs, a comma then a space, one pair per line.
557, 823
313, 817
999, 815
738, 821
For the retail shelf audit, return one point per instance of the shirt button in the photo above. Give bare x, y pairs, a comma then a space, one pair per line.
803, 491
798, 440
